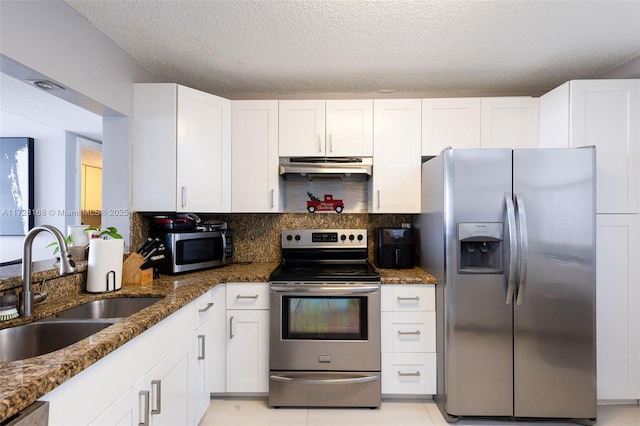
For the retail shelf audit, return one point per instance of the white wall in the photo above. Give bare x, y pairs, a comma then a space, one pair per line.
52, 39
50, 184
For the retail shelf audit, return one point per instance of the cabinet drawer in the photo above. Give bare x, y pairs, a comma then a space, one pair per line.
203, 306
409, 373
247, 296
408, 332
408, 297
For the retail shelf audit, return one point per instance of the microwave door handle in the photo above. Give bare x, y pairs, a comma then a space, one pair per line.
224, 248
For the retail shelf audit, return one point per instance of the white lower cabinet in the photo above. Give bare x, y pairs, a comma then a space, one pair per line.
408, 339
247, 337
163, 394
158, 368
618, 306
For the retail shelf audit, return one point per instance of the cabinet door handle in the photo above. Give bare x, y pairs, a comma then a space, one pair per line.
416, 374
246, 297
144, 414
405, 333
319, 144
272, 199
184, 196
205, 309
230, 328
201, 341
330, 143
416, 298
158, 385
378, 192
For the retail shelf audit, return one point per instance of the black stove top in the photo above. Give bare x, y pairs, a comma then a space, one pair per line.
314, 272
327, 255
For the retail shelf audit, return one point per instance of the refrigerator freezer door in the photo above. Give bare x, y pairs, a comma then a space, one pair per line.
478, 354
554, 320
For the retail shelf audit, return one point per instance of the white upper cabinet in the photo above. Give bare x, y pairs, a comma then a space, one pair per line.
501, 122
509, 122
255, 179
181, 150
396, 181
604, 114
349, 128
451, 122
318, 128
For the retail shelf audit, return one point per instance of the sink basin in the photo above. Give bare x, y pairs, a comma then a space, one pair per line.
120, 307
39, 338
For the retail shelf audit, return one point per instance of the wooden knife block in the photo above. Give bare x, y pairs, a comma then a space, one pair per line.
131, 272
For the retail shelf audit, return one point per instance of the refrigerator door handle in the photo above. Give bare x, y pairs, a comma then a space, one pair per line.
513, 241
524, 248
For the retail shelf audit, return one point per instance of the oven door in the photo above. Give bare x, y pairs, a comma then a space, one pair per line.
325, 327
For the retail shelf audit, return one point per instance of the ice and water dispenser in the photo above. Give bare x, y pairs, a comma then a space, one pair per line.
480, 245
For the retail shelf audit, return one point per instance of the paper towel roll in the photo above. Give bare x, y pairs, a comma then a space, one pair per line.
104, 269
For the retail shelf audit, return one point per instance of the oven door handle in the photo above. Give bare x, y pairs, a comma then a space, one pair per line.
341, 290
364, 379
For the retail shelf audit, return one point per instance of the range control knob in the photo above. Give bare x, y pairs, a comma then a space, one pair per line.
343, 237
289, 238
360, 237
351, 237
297, 237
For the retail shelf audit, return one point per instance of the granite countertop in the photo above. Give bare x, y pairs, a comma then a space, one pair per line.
23, 382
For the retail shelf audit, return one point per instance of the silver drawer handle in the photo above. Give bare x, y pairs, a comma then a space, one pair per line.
209, 305
416, 298
416, 374
246, 297
402, 333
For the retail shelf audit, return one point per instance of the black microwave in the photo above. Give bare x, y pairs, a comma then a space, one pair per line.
194, 250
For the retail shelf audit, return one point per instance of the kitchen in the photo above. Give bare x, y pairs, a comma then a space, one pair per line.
282, 221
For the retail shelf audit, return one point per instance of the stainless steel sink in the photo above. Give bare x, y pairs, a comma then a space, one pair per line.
120, 307
42, 337
67, 327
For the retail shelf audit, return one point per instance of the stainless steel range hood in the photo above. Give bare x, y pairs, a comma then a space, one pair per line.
327, 168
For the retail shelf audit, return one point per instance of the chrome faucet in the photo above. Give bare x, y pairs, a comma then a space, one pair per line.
67, 266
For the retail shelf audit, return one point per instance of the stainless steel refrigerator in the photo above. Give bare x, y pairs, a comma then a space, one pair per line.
510, 235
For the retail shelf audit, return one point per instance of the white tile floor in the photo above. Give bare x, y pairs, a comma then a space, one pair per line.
255, 412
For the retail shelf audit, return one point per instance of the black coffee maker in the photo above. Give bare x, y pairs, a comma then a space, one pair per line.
394, 248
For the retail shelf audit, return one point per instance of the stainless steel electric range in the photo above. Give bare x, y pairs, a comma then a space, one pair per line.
325, 321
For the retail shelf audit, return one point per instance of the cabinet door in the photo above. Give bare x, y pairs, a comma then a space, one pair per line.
618, 306
200, 357
255, 179
301, 128
349, 128
218, 338
451, 122
120, 413
606, 114
165, 391
248, 351
509, 122
153, 149
395, 184
203, 152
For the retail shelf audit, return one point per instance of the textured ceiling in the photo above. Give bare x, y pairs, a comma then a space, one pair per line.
245, 49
